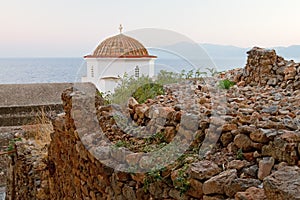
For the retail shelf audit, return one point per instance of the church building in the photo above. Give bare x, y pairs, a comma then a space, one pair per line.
114, 57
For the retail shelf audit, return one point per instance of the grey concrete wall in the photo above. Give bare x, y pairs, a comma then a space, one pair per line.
20, 103
16, 95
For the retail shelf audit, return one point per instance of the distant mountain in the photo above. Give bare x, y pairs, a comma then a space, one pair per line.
224, 51
223, 57
226, 56
291, 52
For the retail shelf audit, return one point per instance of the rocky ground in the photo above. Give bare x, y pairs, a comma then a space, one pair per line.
253, 135
239, 143
247, 136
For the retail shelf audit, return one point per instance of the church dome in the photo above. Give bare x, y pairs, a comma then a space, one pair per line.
121, 46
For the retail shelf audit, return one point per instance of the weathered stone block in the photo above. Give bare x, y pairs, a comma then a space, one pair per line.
203, 170
283, 184
216, 184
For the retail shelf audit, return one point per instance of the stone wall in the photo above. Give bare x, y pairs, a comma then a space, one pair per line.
28, 172
78, 174
265, 67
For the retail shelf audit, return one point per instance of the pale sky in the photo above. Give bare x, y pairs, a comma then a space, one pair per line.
73, 28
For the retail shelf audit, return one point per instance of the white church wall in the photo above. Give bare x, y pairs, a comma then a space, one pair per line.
151, 67
118, 67
110, 85
101, 71
100, 84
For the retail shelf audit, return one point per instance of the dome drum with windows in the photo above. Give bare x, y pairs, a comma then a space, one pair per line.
113, 58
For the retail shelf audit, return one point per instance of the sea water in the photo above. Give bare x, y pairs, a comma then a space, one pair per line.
40, 70
61, 70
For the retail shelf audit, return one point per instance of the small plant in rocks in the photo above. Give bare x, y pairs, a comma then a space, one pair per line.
239, 154
181, 182
226, 84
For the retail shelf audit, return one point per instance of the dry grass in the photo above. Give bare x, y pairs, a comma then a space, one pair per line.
40, 129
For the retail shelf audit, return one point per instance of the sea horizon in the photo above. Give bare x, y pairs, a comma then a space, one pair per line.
23, 70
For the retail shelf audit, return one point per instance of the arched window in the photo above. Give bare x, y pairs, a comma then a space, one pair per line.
137, 72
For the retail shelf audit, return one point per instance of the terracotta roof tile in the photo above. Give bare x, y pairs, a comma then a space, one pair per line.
120, 46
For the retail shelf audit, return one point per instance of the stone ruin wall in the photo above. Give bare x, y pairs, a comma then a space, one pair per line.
65, 169
71, 172
265, 68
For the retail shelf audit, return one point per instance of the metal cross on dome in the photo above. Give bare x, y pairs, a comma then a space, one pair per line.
121, 28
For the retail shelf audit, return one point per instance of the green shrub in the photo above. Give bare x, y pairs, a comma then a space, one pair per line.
105, 96
127, 86
121, 143
212, 71
165, 77
148, 91
142, 88
152, 176
226, 84
198, 73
